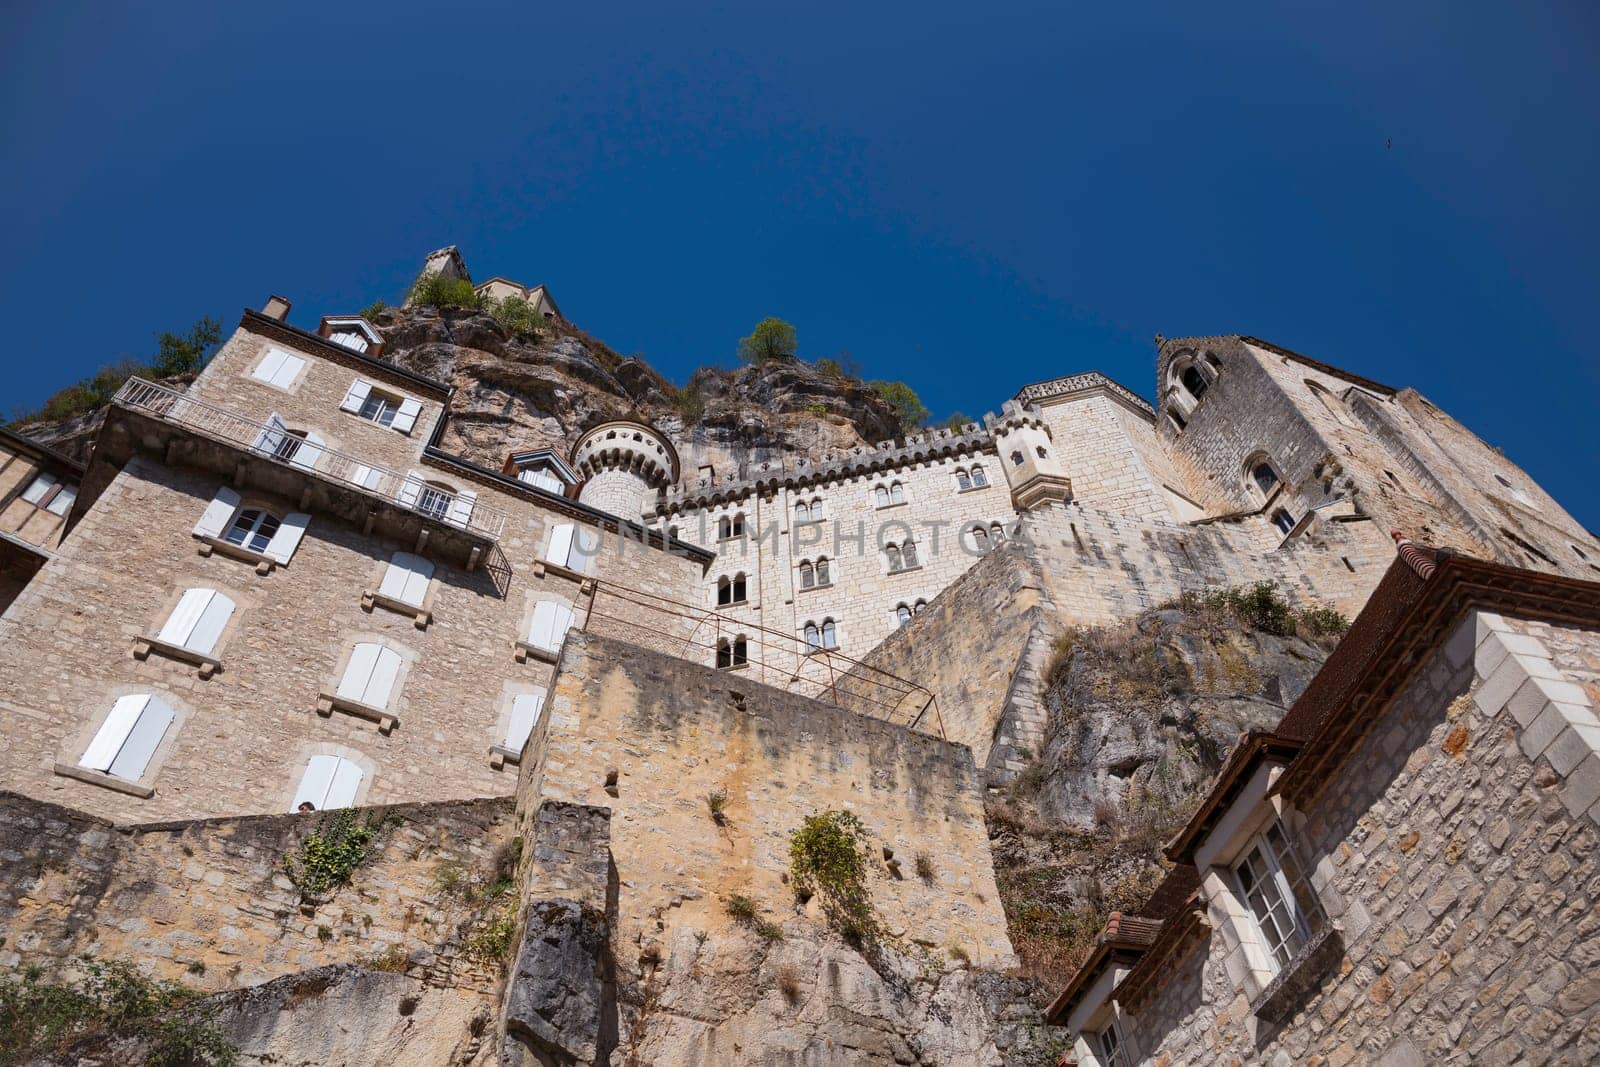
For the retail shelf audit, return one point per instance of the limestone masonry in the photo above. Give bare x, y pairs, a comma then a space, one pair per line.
614, 672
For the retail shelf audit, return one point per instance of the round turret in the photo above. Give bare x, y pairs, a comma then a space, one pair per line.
623, 464
1033, 467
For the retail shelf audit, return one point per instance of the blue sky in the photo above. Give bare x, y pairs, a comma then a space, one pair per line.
967, 197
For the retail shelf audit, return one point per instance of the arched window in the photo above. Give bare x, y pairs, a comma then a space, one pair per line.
893, 555
724, 591
1178, 421
724, 528
880, 497
816, 509
802, 511
253, 529
1283, 521
724, 654
909, 552
997, 533
978, 477
963, 480
327, 782
980, 539
1194, 381
1016, 459
813, 637
1265, 477
902, 614
738, 525
822, 570
830, 634
916, 609
672, 532
741, 651
739, 595
197, 622
808, 576
897, 493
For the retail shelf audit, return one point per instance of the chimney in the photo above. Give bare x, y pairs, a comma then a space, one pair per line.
277, 308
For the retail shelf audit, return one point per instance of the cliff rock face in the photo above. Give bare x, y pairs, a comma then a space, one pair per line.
516, 394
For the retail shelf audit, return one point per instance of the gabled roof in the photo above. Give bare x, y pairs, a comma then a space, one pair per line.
548, 457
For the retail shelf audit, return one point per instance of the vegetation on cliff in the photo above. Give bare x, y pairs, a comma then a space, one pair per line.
1141, 715
178, 355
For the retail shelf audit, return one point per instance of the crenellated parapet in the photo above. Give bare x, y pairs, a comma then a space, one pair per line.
621, 463
861, 461
1087, 382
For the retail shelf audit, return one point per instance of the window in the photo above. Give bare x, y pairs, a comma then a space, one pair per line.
50, 493
1521, 497
1108, 1047
997, 534
880, 496
1016, 459
1331, 403
902, 614
278, 368
1283, 521
731, 590
733, 653
1041, 452
892, 554
197, 622
909, 550
963, 481
406, 578
830, 634
433, 500
1194, 381
916, 609
822, 571
1178, 421
813, 635
370, 675
897, 493
542, 478
802, 512
551, 621
901, 557
808, 576
980, 539
1280, 903
979, 479
252, 528
385, 409
730, 527
327, 782
525, 711
354, 340
126, 741
569, 548
1265, 477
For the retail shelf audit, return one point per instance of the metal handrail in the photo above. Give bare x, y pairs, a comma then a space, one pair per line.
271, 442
775, 658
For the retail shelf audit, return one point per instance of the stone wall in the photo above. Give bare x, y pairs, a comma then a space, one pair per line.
208, 901
1455, 849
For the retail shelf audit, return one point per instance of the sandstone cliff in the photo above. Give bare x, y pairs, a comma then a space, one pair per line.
1141, 716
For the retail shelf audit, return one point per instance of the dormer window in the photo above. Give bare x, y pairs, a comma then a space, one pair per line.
1282, 907
1108, 1048
352, 332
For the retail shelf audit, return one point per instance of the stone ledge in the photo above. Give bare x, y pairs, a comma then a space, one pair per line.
543, 567
264, 564
328, 703
525, 651
420, 615
208, 665
1300, 975
105, 781
500, 755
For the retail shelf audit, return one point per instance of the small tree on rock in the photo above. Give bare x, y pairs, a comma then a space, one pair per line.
187, 352
771, 337
908, 408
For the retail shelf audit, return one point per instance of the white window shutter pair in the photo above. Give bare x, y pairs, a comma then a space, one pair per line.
355, 396
406, 417
551, 621
129, 737
218, 513
352, 340
278, 368
406, 579
198, 620
328, 782
366, 477
525, 711
568, 548
370, 676
460, 512
542, 478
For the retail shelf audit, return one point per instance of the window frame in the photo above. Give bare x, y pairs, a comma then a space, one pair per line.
1265, 947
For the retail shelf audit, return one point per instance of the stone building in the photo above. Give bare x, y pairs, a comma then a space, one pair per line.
275, 593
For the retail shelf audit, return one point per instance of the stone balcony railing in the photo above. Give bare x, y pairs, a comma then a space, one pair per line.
273, 444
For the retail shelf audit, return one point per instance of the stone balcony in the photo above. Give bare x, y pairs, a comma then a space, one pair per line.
146, 418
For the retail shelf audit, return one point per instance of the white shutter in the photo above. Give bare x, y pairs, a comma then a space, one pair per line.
366, 477
218, 513
363, 658
551, 620
384, 673
113, 732
180, 624
267, 370
288, 372
406, 417
342, 788
314, 782
287, 539
410, 489
560, 549
356, 396
209, 628
351, 340
271, 435
460, 512
583, 552
309, 452
543, 479
525, 710
406, 579
146, 734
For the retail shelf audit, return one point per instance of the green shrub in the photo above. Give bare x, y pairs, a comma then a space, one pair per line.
176, 354
1321, 622
373, 310
770, 339
956, 422
1262, 608
520, 318
187, 352
717, 802
328, 857
828, 860
817, 408
37, 1018
909, 411
691, 403
830, 368
433, 289
492, 933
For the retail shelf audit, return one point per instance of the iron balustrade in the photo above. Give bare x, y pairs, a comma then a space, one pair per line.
273, 441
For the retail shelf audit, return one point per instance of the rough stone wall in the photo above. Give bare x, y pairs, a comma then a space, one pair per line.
667, 733
244, 735
1097, 448
1455, 848
208, 901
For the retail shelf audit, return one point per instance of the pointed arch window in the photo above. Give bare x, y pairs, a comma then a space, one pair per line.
1265, 477
897, 493
902, 614
1194, 381
963, 481
880, 496
979, 479
808, 576
830, 634
813, 636
822, 571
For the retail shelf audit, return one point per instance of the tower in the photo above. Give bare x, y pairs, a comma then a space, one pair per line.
1027, 452
623, 463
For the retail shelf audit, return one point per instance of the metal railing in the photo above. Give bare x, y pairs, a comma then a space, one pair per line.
274, 442
748, 649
